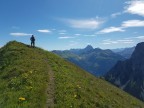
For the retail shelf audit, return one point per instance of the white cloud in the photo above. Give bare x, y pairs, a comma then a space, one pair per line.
106, 43
66, 37
62, 33
20, 34
92, 35
125, 24
128, 42
136, 37
133, 23
84, 23
122, 41
111, 29
44, 31
116, 14
125, 40
135, 7
139, 37
73, 43
77, 34
109, 41
114, 42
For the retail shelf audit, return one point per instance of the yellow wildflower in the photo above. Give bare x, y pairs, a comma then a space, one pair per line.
22, 98
75, 96
78, 86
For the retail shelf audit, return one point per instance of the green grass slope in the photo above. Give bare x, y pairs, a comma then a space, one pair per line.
24, 78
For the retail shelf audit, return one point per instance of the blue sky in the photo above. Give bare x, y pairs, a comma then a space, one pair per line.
65, 24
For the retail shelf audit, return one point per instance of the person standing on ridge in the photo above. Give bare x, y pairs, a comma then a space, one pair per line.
32, 41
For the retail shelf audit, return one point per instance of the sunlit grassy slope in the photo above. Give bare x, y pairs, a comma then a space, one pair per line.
24, 78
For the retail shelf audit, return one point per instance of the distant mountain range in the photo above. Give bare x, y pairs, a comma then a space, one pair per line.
125, 52
129, 74
96, 61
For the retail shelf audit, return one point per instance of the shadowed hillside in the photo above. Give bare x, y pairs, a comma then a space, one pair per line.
129, 74
34, 78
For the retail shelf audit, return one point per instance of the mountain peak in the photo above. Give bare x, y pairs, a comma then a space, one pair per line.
88, 48
140, 46
139, 51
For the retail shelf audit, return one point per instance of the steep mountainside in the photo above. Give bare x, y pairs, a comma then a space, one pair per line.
129, 74
34, 78
95, 61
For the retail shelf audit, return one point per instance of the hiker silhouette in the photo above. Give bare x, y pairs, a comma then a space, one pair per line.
32, 41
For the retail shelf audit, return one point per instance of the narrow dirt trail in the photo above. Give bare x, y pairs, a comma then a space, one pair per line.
50, 90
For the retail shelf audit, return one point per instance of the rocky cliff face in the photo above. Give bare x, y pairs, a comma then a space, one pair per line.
129, 74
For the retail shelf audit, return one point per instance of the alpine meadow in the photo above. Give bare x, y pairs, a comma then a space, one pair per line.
26, 74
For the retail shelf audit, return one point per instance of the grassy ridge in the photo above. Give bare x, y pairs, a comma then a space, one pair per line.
24, 77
